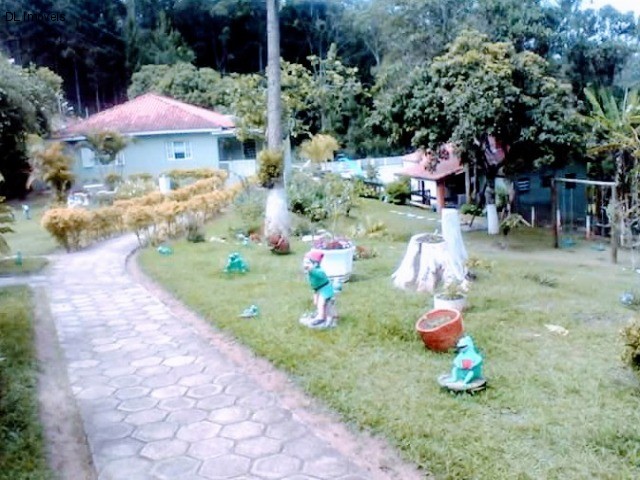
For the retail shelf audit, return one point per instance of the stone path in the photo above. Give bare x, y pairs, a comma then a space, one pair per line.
158, 401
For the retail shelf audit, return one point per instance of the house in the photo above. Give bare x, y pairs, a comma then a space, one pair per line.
165, 134
434, 184
533, 197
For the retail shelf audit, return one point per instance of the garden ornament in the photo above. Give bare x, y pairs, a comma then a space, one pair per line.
235, 264
26, 210
165, 250
627, 298
250, 312
466, 374
323, 293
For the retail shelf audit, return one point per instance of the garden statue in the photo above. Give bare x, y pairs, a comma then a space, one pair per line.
26, 211
250, 312
323, 293
466, 374
235, 263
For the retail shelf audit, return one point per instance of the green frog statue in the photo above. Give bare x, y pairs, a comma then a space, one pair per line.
466, 373
235, 263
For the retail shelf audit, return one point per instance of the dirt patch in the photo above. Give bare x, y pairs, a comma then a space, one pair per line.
365, 450
68, 453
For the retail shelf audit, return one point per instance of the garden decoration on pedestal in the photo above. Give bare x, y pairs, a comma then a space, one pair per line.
466, 374
440, 329
235, 264
323, 293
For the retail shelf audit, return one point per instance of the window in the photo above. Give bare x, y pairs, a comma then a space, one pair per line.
88, 158
546, 181
523, 185
178, 150
249, 149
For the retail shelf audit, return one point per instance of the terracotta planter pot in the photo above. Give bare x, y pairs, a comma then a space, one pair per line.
440, 329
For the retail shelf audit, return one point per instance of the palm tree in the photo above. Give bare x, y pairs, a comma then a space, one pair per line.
277, 219
616, 130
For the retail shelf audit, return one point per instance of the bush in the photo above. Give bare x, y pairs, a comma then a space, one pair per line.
631, 338
112, 180
67, 225
306, 194
399, 191
471, 209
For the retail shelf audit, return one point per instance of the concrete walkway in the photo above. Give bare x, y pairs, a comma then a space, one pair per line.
159, 401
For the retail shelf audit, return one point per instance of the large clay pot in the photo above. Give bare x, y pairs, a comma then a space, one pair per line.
440, 329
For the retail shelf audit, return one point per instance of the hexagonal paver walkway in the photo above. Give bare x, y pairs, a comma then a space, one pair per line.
157, 400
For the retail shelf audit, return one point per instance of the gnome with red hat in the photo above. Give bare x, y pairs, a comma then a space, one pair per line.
323, 293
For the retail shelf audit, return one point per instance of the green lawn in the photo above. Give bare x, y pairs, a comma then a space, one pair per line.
29, 237
21, 447
556, 407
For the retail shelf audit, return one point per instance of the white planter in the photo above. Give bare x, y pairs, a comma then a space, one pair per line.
458, 304
337, 264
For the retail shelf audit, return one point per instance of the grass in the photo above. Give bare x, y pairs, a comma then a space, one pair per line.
9, 267
29, 238
556, 406
21, 445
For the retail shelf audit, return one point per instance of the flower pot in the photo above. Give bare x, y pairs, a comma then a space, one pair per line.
440, 329
439, 302
337, 263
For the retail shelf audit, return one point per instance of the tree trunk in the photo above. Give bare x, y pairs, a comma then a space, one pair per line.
277, 223
274, 102
493, 225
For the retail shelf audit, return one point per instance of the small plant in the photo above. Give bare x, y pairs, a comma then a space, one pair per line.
370, 229
271, 166
399, 191
471, 209
544, 280
365, 253
631, 338
512, 222
320, 148
112, 180
195, 233
452, 291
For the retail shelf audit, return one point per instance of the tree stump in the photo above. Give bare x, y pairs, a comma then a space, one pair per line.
431, 260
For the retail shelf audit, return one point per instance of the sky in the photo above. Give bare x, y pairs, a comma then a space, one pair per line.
621, 5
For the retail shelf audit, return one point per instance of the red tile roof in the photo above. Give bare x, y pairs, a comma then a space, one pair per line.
421, 165
149, 113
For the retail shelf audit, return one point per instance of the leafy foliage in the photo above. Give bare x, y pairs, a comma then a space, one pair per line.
399, 191
320, 148
270, 167
6, 217
631, 338
52, 165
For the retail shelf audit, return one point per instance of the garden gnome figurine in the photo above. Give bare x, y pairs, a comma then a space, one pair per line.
466, 374
235, 263
323, 292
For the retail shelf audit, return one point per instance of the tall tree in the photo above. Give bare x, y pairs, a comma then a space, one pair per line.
29, 99
277, 219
